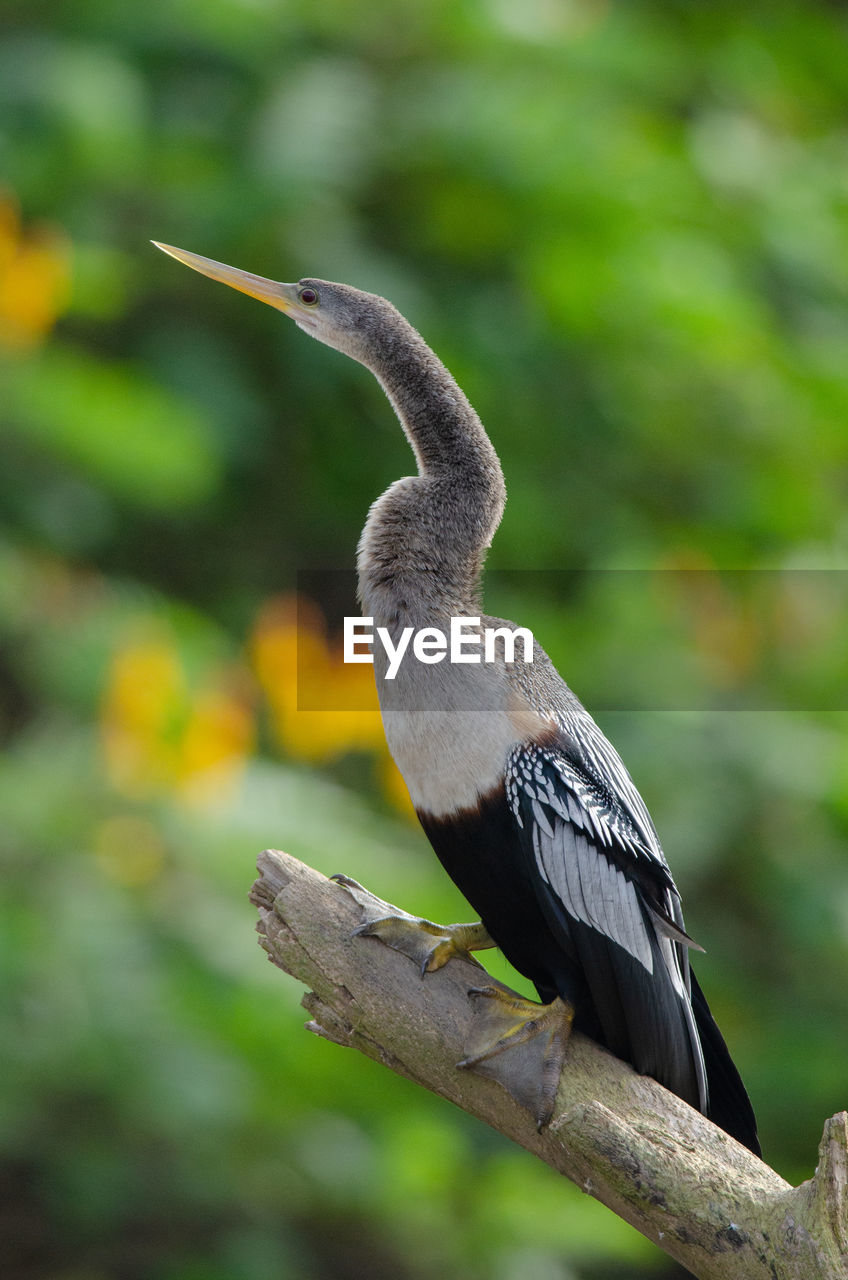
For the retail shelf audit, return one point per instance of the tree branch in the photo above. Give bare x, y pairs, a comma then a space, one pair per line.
653, 1160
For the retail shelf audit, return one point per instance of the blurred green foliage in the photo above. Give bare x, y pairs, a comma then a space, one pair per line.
625, 229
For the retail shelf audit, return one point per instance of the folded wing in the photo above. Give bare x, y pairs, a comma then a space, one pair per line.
607, 894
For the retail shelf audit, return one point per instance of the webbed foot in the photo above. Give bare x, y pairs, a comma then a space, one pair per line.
428, 944
504, 1021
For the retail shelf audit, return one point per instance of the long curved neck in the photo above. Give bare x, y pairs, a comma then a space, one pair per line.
446, 435
423, 544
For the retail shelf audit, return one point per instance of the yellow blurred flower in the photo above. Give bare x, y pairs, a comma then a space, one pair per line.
161, 734
218, 738
34, 279
142, 712
299, 670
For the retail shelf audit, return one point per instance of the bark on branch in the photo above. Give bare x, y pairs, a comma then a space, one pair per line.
625, 1140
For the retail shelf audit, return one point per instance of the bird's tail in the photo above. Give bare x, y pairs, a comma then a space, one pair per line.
729, 1105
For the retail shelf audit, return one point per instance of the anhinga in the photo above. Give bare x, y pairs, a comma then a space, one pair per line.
527, 805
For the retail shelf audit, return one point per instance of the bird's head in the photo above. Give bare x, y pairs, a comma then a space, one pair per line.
342, 317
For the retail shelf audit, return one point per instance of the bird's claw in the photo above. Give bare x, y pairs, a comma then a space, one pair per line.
427, 944
536, 1036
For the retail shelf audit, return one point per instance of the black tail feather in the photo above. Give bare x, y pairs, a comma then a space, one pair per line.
729, 1105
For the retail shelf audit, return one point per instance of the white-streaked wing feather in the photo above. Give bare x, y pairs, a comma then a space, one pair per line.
574, 825
629, 818
592, 839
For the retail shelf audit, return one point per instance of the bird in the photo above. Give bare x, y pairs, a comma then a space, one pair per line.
527, 805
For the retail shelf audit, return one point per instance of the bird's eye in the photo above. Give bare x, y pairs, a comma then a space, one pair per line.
308, 297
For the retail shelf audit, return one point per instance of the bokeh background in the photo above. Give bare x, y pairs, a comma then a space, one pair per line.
624, 226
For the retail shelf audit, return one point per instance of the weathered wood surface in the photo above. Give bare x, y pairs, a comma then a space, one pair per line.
653, 1160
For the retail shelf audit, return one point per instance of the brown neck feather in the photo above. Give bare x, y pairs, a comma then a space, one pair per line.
423, 544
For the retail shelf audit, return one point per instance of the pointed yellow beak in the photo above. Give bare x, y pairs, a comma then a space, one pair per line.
276, 294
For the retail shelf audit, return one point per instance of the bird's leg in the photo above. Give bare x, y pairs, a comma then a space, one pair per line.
428, 944
503, 1021
537, 1033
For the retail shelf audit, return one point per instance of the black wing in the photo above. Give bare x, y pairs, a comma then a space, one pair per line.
607, 894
